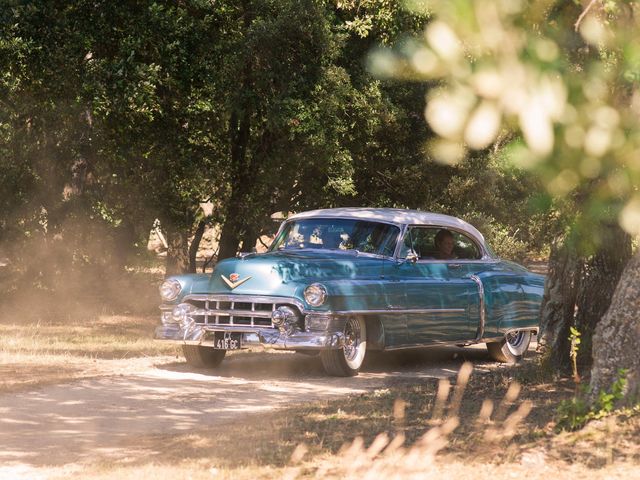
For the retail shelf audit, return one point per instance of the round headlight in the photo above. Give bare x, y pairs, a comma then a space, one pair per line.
315, 294
170, 289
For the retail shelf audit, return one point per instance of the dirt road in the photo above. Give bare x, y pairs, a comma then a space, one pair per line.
95, 418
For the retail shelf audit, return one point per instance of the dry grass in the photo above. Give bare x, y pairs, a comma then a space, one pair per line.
80, 325
408, 431
41, 353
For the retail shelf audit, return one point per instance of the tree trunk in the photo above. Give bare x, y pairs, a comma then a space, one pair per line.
178, 252
195, 244
558, 305
249, 238
578, 292
232, 227
616, 339
124, 239
242, 173
599, 277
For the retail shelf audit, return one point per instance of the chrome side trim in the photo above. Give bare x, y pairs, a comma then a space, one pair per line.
481, 306
414, 311
535, 330
438, 343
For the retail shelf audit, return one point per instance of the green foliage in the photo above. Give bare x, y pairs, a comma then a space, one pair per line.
574, 413
114, 115
505, 243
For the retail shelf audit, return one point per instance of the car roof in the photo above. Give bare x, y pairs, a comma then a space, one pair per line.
398, 216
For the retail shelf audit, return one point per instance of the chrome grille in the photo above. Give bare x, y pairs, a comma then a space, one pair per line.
234, 310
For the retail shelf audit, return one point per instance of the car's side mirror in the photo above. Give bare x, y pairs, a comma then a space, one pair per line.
412, 257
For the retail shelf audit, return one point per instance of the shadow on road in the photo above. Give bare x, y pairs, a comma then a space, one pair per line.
439, 361
58, 424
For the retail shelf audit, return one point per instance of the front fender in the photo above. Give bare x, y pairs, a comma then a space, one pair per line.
350, 295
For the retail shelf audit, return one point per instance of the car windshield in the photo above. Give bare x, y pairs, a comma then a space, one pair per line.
338, 234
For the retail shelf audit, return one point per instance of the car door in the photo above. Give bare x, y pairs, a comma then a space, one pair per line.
438, 293
470, 265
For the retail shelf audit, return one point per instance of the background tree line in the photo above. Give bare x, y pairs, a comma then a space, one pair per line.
114, 115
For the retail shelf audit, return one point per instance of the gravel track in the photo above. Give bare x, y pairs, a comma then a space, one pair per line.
62, 424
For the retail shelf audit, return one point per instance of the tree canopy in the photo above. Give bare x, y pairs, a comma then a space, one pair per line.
115, 115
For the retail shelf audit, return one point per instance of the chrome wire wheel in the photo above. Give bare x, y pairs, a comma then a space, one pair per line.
511, 348
518, 342
346, 361
352, 339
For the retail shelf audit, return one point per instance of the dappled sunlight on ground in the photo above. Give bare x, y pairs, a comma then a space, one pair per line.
171, 397
97, 397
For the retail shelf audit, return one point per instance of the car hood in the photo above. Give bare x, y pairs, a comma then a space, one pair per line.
285, 273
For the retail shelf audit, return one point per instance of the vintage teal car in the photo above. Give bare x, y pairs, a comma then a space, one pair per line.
341, 282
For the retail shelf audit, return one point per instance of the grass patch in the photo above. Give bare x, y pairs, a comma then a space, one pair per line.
106, 336
39, 353
320, 436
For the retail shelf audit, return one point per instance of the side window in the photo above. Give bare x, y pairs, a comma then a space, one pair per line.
465, 248
433, 243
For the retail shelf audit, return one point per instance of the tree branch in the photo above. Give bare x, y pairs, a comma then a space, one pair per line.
576, 26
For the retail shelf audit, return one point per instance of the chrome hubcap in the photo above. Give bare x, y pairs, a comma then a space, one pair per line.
351, 339
515, 339
517, 342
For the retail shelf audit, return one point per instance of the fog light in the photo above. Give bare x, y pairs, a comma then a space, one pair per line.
318, 323
285, 318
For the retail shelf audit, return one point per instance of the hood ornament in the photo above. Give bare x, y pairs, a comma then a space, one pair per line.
233, 280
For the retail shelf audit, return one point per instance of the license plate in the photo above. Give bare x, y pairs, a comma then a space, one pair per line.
227, 341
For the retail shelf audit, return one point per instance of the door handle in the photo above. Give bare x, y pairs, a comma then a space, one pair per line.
455, 265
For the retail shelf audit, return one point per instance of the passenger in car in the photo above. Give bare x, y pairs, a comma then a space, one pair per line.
444, 244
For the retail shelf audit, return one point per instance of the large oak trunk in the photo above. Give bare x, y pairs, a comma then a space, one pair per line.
558, 305
599, 277
578, 292
617, 338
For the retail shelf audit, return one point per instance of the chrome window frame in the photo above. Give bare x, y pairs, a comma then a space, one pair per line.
485, 254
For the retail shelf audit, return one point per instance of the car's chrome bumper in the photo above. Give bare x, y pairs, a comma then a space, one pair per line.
196, 334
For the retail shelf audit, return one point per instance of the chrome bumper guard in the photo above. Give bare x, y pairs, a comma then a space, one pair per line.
198, 334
